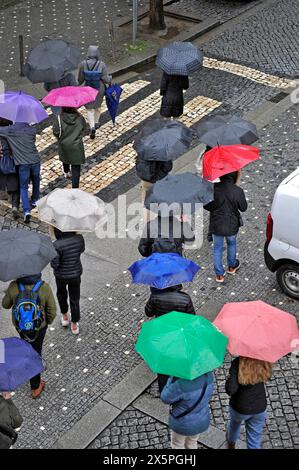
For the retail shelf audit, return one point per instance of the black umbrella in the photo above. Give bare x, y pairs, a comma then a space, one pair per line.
179, 193
24, 253
227, 130
179, 58
50, 60
162, 140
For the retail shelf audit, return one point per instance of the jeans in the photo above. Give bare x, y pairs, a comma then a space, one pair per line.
27, 172
254, 427
183, 442
37, 345
69, 288
76, 171
218, 242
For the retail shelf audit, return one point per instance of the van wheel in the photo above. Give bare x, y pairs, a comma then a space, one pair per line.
288, 279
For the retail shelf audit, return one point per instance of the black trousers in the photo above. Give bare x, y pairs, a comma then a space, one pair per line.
76, 171
15, 198
37, 345
69, 289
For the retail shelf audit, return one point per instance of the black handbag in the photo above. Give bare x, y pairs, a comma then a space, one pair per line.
7, 165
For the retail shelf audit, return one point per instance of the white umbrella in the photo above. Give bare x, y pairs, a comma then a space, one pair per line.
72, 210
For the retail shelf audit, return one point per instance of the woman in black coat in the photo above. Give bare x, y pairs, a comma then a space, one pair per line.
171, 89
9, 183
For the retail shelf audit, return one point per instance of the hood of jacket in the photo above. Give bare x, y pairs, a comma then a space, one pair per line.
70, 118
60, 235
229, 178
29, 280
177, 288
93, 52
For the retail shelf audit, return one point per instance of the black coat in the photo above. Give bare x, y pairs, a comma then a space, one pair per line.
67, 265
229, 199
245, 399
152, 171
168, 300
171, 89
165, 235
10, 419
10, 182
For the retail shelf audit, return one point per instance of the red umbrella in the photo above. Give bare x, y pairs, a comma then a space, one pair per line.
225, 159
258, 330
71, 96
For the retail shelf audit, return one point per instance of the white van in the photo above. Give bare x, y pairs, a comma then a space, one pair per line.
282, 245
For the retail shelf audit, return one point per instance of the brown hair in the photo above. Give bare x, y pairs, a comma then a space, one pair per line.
253, 371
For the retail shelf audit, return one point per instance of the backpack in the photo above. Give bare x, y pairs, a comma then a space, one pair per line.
27, 311
92, 77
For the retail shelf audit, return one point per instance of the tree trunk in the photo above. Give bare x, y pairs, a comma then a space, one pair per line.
157, 15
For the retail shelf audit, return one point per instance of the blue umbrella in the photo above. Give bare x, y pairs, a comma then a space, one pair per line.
112, 95
19, 362
162, 270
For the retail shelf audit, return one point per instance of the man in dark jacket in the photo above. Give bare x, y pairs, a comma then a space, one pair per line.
22, 140
225, 220
171, 89
166, 301
68, 271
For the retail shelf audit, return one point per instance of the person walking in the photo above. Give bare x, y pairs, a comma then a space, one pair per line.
248, 403
163, 301
171, 90
225, 221
9, 182
190, 411
69, 128
27, 294
67, 80
150, 172
93, 72
10, 421
68, 271
21, 138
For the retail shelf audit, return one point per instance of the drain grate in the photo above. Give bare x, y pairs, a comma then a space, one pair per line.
279, 97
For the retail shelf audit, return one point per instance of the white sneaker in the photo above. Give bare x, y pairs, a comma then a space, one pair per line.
68, 175
75, 328
65, 320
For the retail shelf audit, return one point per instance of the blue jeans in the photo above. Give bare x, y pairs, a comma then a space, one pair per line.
27, 173
254, 427
218, 242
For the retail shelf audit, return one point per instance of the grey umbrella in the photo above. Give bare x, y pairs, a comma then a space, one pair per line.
24, 253
49, 61
179, 58
227, 130
162, 140
179, 193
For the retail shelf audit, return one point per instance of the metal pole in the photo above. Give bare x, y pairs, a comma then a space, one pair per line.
135, 20
21, 52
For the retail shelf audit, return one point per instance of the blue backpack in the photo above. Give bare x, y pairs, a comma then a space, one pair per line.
92, 77
27, 311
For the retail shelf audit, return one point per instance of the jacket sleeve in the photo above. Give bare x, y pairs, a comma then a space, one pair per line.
50, 307
211, 206
232, 384
150, 310
145, 247
188, 233
190, 308
242, 203
7, 301
15, 416
81, 74
82, 246
106, 78
56, 129
163, 86
171, 393
186, 83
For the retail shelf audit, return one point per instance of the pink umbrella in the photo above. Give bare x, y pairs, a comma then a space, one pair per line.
258, 330
71, 96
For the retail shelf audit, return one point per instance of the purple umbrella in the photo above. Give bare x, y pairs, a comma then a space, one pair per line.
19, 107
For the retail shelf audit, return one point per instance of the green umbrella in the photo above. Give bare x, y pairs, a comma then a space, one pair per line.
181, 345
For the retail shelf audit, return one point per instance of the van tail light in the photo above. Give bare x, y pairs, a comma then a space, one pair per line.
269, 231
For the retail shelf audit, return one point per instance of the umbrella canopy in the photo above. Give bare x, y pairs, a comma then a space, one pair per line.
50, 59
71, 96
162, 140
225, 159
181, 345
19, 107
19, 362
227, 130
162, 270
72, 210
112, 95
23, 253
175, 192
258, 330
179, 58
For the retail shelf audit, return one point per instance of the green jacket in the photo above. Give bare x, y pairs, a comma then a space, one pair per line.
48, 303
70, 138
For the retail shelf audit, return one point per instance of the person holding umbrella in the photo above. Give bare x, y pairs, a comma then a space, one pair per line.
9, 178
67, 80
10, 421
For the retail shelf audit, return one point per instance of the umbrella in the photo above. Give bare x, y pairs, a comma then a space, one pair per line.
174, 192
179, 58
71, 96
226, 130
71, 210
50, 59
19, 107
225, 159
162, 270
181, 345
19, 362
23, 253
258, 330
162, 140
112, 94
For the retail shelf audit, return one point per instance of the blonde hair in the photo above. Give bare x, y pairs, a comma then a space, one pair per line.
254, 371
